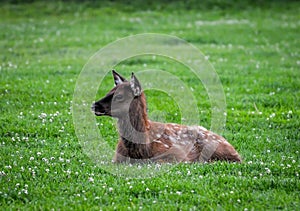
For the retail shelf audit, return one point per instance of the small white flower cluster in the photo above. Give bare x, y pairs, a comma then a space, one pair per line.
18, 138
2, 173
21, 115
9, 64
21, 190
44, 117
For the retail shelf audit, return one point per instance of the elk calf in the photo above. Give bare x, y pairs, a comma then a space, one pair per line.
142, 140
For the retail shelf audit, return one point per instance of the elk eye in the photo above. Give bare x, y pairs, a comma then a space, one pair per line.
119, 98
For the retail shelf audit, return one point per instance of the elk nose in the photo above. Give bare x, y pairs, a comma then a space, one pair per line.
97, 106
93, 106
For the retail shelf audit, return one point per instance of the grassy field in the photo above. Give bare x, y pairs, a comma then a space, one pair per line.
255, 50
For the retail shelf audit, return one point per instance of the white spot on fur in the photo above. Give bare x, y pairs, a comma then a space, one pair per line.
167, 146
160, 142
201, 134
174, 140
184, 136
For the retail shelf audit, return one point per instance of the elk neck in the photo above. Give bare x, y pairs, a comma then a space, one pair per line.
134, 126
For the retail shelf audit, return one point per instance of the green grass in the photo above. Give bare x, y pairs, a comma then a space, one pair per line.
255, 51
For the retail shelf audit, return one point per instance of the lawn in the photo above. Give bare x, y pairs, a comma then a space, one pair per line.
253, 47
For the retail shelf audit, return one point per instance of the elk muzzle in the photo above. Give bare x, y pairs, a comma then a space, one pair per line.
101, 109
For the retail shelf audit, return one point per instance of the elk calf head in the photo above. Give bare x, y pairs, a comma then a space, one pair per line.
120, 99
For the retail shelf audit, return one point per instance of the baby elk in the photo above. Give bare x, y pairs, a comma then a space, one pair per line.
142, 140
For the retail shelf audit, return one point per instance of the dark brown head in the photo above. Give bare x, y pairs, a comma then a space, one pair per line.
118, 101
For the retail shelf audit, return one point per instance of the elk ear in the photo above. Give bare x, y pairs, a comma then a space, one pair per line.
118, 78
135, 85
